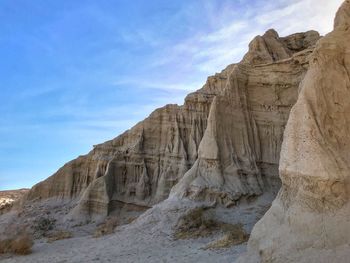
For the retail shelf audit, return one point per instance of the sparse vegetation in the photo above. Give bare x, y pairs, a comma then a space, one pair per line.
195, 225
233, 235
42, 226
106, 228
59, 235
21, 244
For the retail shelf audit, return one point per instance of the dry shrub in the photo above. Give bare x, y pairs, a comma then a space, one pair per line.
59, 235
233, 235
42, 226
21, 244
195, 224
106, 228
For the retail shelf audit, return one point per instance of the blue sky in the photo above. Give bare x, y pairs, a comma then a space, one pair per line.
74, 73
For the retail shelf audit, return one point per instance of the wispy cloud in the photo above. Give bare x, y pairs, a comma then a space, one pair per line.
210, 51
226, 32
148, 84
301, 15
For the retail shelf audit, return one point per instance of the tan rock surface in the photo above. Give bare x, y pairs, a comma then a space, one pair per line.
310, 219
226, 138
239, 153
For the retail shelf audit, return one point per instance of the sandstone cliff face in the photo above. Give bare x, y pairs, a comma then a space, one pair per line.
309, 220
239, 153
140, 166
221, 145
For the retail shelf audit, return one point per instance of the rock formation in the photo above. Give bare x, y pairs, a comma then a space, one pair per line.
310, 219
8, 198
221, 145
239, 153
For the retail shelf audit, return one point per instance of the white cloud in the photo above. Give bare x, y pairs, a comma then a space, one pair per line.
226, 32
211, 51
158, 85
301, 15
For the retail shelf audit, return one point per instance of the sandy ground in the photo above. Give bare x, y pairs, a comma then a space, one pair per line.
148, 239
127, 246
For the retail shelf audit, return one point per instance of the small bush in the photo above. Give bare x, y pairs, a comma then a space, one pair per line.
21, 245
43, 225
234, 235
59, 235
195, 224
106, 228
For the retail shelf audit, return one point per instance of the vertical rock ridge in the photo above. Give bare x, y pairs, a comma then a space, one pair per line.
309, 219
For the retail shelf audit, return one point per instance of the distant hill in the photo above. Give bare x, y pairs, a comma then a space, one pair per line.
7, 198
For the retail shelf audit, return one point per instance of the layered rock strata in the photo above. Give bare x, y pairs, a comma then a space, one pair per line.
309, 220
221, 145
239, 153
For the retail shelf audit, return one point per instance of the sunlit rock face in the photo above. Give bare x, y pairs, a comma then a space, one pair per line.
239, 153
222, 145
309, 220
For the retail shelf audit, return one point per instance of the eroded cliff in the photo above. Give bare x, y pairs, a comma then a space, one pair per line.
222, 145
239, 153
309, 220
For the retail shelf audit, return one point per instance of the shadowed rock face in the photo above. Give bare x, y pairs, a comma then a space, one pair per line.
309, 220
221, 145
